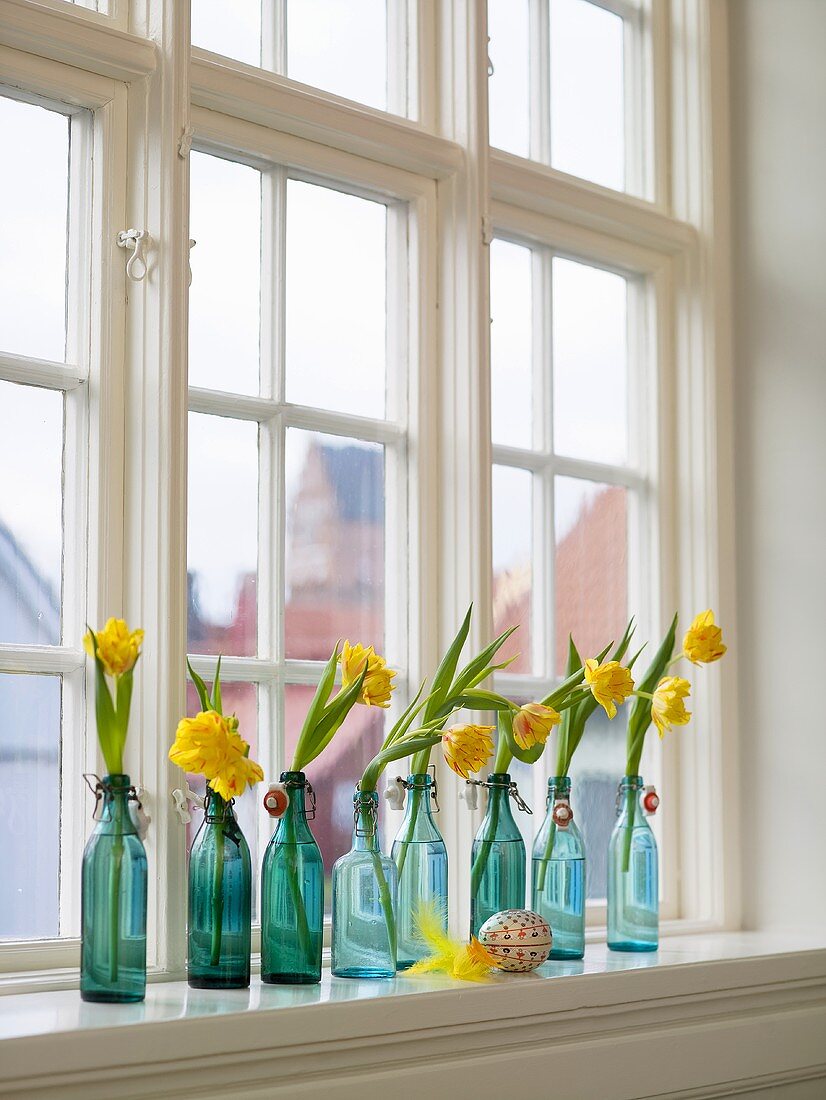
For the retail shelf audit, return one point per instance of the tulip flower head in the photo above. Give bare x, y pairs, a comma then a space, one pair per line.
467, 748
703, 641
378, 683
118, 648
610, 683
668, 704
532, 724
209, 744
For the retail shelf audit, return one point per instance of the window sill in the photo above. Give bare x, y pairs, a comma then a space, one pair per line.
732, 1007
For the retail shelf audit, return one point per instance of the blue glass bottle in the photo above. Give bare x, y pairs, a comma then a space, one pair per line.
420, 856
220, 900
292, 895
558, 880
633, 888
364, 900
113, 901
497, 878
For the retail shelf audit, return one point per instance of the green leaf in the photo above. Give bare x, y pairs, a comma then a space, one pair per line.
409, 746
123, 703
332, 718
105, 716
443, 678
558, 695
315, 711
200, 687
405, 721
470, 673
479, 700
640, 718
217, 704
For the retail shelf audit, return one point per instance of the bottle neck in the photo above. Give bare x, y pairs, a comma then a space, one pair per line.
499, 784
294, 821
217, 811
628, 797
366, 821
559, 786
113, 813
420, 796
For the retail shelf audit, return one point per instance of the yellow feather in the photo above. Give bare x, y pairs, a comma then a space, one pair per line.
467, 962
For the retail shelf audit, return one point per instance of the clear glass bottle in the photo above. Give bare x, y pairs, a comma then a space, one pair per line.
633, 888
558, 877
497, 879
220, 900
292, 895
420, 856
364, 900
113, 901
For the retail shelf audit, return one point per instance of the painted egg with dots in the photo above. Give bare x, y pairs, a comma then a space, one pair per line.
517, 939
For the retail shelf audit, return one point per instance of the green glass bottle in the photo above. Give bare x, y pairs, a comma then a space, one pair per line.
498, 858
292, 895
220, 900
420, 855
113, 901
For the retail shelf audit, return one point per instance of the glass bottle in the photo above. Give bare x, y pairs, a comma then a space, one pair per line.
364, 900
633, 889
497, 879
292, 894
420, 856
220, 900
113, 900
558, 879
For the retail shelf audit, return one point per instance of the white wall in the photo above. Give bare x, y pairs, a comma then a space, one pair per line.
778, 85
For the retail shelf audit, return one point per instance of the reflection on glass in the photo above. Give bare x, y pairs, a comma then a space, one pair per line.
590, 565
595, 771
336, 300
587, 95
340, 47
31, 521
224, 299
222, 543
335, 773
511, 344
30, 806
508, 113
335, 543
34, 196
242, 701
512, 542
232, 30
590, 363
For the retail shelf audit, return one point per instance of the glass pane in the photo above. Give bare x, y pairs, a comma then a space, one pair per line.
596, 768
512, 542
511, 344
31, 519
34, 196
340, 47
587, 93
30, 798
590, 363
508, 88
591, 566
224, 299
336, 300
335, 544
242, 701
234, 31
335, 773
223, 535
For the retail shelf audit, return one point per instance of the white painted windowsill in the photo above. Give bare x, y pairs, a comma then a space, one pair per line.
701, 1013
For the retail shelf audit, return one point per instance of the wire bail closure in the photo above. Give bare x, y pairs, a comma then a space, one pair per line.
369, 809
295, 785
511, 788
140, 818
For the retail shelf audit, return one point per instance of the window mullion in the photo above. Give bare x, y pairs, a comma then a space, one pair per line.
539, 68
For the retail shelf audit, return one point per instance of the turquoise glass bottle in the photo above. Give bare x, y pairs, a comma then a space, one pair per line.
633, 888
497, 879
292, 894
558, 876
364, 900
113, 901
220, 900
420, 856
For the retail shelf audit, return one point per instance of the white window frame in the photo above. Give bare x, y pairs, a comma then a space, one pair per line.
445, 164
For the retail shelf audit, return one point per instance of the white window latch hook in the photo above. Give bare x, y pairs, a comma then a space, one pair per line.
137, 240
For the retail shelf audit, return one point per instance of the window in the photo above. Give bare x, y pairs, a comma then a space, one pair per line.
306, 413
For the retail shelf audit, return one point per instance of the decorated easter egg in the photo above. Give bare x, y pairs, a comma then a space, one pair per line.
518, 939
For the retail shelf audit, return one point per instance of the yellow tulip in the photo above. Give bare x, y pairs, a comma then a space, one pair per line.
236, 776
703, 642
532, 724
467, 748
610, 683
209, 744
668, 704
118, 647
378, 683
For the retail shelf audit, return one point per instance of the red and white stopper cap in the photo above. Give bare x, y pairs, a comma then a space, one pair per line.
650, 800
562, 814
276, 800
